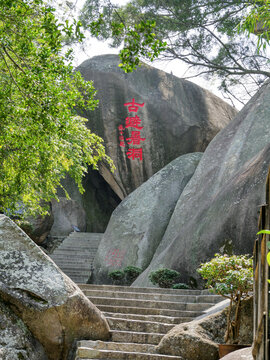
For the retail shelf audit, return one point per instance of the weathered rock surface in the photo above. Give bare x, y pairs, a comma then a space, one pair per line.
89, 211
51, 306
219, 207
242, 354
139, 222
40, 226
199, 339
16, 342
67, 213
178, 117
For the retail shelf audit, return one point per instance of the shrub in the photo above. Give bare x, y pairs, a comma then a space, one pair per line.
180, 286
117, 277
164, 278
230, 277
131, 273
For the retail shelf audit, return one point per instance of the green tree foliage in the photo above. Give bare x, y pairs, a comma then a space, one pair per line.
258, 22
41, 138
232, 278
164, 278
202, 33
131, 273
117, 277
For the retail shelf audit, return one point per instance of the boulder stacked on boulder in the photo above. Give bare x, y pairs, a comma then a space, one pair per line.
218, 209
139, 222
178, 117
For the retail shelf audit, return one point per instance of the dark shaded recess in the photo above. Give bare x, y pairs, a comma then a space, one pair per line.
99, 201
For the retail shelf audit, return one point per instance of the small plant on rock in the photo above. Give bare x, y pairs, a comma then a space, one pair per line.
131, 273
164, 278
117, 277
180, 286
232, 278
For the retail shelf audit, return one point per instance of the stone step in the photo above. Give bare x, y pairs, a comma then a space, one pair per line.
149, 303
110, 345
76, 272
136, 337
79, 279
78, 235
89, 353
154, 318
81, 240
148, 311
84, 265
139, 318
79, 250
114, 288
75, 245
82, 235
72, 262
138, 325
64, 257
155, 296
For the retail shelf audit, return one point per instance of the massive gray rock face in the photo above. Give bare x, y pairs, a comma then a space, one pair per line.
51, 306
219, 207
178, 117
139, 222
16, 341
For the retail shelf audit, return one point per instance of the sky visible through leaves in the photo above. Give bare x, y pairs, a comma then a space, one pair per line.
93, 47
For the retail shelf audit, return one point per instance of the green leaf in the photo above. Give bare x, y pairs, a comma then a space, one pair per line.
263, 232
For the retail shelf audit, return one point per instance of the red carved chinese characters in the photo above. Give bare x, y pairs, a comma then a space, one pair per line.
115, 257
135, 138
134, 122
134, 153
121, 137
132, 106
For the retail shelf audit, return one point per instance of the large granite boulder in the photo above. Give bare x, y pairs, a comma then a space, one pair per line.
67, 213
178, 117
51, 306
199, 339
139, 222
16, 341
218, 210
242, 354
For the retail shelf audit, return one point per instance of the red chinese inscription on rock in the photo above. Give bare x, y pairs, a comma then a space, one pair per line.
115, 257
132, 106
135, 137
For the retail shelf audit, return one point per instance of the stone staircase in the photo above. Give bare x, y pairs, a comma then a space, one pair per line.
75, 255
139, 318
